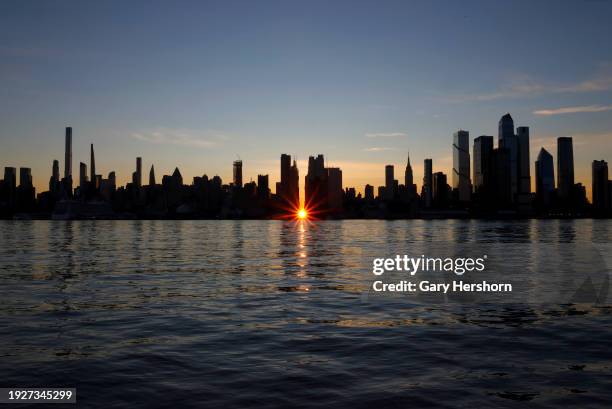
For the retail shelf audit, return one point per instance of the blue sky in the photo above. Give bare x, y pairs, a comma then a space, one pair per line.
198, 84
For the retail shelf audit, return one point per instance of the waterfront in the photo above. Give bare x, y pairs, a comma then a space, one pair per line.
278, 314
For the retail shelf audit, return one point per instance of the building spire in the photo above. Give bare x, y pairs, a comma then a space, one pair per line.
92, 169
152, 176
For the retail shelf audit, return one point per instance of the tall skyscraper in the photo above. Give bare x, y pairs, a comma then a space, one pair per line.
294, 185
408, 177
369, 192
67, 180
285, 171
82, 177
54, 181
316, 184
55, 171
565, 166
507, 140
152, 176
461, 165
92, 175
440, 190
601, 186
389, 182
68, 154
334, 189
238, 173
545, 177
483, 151
10, 177
523, 164
502, 179
263, 189
427, 189
288, 187
139, 172
25, 178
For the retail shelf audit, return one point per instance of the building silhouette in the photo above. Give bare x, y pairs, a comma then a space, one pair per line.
263, 189
237, 173
483, 159
544, 178
152, 176
67, 180
441, 190
334, 189
565, 167
287, 189
461, 165
508, 140
82, 178
427, 188
389, 182
54, 181
316, 185
523, 166
601, 186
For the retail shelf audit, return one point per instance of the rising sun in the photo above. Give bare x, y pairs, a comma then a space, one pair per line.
302, 214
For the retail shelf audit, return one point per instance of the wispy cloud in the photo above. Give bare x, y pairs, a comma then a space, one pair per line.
385, 134
573, 110
182, 137
378, 149
528, 87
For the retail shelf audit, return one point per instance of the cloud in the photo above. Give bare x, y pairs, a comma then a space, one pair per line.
573, 110
181, 137
528, 87
378, 149
385, 134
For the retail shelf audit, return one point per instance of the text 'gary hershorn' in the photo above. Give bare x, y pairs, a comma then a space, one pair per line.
412, 265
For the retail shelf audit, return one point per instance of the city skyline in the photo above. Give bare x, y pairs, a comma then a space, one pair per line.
493, 180
179, 86
387, 171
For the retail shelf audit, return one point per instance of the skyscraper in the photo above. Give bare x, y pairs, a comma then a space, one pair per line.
55, 171
82, 177
294, 186
440, 190
67, 180
461, 165
25, 178
68, 154
54, 181
316, 184
369, 192
334, 189
285, 170
238, 173
389, 182
601, 193
288, 187
408, 177
427, 189
523, 164
263, 189
92, 164
139, 172
508, 140
502, 180
483, 151
565, 166
152, 176
544, 177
